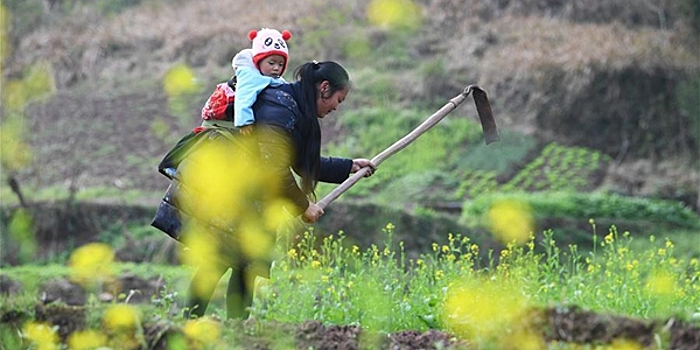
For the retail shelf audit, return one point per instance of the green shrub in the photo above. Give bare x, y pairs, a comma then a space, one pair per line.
688, 100
597, 205
691, 10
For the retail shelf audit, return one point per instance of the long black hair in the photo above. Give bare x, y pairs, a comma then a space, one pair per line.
310, 75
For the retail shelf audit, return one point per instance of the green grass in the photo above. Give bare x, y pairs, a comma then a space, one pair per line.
30, 276
60, 193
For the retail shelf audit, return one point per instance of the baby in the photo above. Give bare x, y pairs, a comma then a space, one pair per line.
255, 68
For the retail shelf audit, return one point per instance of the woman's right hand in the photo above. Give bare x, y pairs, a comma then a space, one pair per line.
313, 213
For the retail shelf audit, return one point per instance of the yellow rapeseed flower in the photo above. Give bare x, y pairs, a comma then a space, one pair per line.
42, 335
400, 14
531, 243
505, 253
624, 344
121, 317
202, 331
482, 309
609, 238
510, 221
87, 340
669, 243
180, 79
256, 242
661, 283
386, 251
522, 339
91, 262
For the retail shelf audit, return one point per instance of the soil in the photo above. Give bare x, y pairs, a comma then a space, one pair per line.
63, 305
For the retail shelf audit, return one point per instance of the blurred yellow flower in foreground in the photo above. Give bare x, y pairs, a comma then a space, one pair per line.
21, 230
180, 79
483, 309
91, 263
16, 153
86, 340
42, 335
202, 331
511, 221
257, 242
661, 283
624, 344
522, 339
400, 14
121, 317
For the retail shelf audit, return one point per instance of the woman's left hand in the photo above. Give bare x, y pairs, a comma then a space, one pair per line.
360, 163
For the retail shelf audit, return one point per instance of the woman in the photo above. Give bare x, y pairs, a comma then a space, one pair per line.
287, 138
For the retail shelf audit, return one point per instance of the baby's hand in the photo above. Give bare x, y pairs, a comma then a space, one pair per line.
246, 129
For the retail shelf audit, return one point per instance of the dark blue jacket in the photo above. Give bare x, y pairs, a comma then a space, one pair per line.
277, 111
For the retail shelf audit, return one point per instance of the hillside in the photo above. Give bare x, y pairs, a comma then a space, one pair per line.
617, 77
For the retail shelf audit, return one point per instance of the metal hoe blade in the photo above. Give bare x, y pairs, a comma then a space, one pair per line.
483, 108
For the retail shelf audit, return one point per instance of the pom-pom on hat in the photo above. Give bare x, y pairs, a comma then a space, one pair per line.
268, 42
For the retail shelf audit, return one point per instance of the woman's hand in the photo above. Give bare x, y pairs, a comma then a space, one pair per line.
246, 129
360, 163
312, 214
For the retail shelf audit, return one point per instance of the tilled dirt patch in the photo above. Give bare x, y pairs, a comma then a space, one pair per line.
574, 326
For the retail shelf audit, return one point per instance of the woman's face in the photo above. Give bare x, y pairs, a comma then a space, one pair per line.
328, 102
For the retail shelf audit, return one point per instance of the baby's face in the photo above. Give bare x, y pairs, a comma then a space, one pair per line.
272, 66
